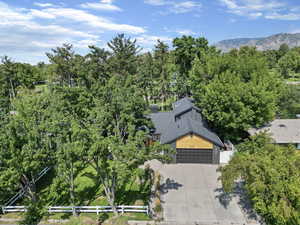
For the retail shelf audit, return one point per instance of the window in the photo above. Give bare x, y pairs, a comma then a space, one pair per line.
298, 146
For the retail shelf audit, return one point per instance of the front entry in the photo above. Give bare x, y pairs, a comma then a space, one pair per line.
194, 155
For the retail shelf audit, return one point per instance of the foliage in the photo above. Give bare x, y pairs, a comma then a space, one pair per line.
163, 72
97, 67
289, 64
271, 175
244, 95
68, 65
186, 49
146, 77
14, 76
118, 145
90, 119
27, 147
33, 215
124, 52
289, 104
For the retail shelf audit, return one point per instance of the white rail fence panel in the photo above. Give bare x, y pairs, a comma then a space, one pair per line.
82, 209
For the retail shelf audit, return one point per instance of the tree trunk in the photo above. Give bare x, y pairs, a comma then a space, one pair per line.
30, 188
147, 98
12, 88
110, 194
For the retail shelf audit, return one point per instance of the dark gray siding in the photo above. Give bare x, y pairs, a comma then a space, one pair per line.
216, 155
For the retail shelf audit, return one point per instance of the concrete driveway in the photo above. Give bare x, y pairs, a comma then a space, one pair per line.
193, 195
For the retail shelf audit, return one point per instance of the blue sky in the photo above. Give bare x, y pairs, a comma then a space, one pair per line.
28, 28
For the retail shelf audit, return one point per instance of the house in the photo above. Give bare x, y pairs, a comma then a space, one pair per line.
282, 131
187, 132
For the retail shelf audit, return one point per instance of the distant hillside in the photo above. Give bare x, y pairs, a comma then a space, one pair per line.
267, 43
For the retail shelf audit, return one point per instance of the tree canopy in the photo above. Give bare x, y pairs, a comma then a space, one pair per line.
271, 176
80, 112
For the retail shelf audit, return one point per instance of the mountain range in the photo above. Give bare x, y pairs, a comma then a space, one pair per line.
265, 43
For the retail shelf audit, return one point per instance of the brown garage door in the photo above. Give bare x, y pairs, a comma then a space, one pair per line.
194, 156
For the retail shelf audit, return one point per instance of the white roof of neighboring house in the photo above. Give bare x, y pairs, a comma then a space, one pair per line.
283, 131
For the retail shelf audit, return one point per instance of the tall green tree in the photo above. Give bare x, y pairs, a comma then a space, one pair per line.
245, 95
124, 55
271, 176
68, 65
283, 49
186, 49
146, 78
98, 69
289, 103
163, 71
72, 145
118, 138
289, 64
26, 148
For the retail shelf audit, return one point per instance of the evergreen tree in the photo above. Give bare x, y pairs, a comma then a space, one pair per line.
124, 55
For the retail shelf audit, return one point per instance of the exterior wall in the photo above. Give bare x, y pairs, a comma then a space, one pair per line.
173, 156
193, 142
216, 155
225, 156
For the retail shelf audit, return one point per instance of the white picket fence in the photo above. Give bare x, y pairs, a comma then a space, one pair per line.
82, 209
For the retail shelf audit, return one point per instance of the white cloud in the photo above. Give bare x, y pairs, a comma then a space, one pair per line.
184, 7
176, 7
255, 15
25, 39
180, 31
43, 4
26, 33
185, 32
157, 2
104, 5
92, 20
288, 16
150, 40
11, 15
252, 8
107, 1
41, 14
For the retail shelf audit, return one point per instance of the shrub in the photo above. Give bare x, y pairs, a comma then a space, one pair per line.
139, 202
157, 206
271, 174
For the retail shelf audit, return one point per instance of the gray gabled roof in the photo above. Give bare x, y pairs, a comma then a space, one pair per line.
186, 126
161, 121
183, 105
283, 131
171, 128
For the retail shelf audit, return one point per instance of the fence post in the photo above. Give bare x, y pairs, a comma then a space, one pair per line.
122, 209
147, 207
3, 209
97, 210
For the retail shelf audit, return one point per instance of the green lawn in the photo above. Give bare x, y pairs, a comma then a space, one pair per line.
91, 194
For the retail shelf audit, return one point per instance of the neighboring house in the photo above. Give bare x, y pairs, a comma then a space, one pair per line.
282, 131
186, 131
